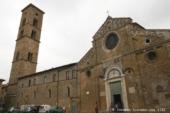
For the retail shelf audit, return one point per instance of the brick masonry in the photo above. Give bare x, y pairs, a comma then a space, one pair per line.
139, 63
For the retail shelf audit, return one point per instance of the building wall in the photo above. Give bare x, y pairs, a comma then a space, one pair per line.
139, 63
3, 93
58, 88
26, 50
144, 83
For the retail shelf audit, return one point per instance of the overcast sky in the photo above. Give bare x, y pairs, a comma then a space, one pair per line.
69, 25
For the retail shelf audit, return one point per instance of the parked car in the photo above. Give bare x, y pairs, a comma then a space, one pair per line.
1, 109
14, 109
56, 110
44, 108
28, 109
25, 108
35, 109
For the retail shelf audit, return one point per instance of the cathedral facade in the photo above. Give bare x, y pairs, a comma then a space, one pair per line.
127, 64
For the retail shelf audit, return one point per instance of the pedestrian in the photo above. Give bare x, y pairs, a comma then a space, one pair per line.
96, 107
119, 105
111, 107
116, 107
64, 109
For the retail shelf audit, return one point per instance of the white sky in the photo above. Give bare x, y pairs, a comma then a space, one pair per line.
69, 25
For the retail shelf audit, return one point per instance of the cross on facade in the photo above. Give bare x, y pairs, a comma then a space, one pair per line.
107, 12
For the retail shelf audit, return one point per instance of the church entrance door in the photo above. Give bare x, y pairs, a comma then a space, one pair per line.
116, 92
117, 98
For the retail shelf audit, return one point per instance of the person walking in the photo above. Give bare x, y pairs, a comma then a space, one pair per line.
111, 107
64, 109
119, 106
116, 107
96, 108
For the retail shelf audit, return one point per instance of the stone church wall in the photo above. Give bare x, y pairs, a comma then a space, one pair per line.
58, 88
145, 79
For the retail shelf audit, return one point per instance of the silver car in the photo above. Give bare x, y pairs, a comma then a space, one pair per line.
28, 109
14, 110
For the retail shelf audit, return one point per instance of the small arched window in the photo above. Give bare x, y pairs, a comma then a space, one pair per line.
29, 83
45, 79
54, 77
68, 92
49, 93
34, 82
159, 88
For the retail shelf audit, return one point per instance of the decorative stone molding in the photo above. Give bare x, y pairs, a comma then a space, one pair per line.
112, 74
113, 69
104, 41
133, 26
147, 33
112, 24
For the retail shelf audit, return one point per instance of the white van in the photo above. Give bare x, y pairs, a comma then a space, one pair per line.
44, 108
24, 107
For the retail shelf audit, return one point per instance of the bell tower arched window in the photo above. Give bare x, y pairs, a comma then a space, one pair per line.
30, 55
35, 22
33, 34
24, 21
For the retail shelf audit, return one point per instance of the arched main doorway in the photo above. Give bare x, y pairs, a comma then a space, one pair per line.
115, 86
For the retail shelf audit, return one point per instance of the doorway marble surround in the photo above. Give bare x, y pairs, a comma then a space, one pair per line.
114, 74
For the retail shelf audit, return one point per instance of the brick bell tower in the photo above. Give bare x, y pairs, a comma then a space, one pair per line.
26, 50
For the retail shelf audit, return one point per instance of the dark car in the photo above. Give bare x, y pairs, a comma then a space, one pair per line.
35, 109
56, 110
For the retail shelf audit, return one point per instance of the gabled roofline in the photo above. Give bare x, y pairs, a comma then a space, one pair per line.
139, 25
86, 54
31, 5
109, 17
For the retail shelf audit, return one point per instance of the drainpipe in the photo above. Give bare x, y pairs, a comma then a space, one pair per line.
57, 86
98, 92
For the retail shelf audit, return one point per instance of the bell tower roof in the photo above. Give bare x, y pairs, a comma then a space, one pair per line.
31, 5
